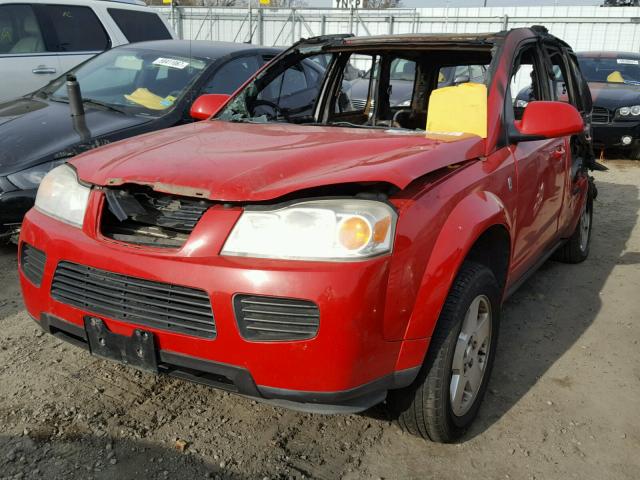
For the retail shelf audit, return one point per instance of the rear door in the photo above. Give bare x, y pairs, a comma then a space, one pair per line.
27, 61
73, 31
139, 26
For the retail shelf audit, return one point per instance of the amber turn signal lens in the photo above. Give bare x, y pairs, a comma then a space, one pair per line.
354, 233
381, 229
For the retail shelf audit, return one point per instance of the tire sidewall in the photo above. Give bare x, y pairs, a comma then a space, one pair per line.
483, 284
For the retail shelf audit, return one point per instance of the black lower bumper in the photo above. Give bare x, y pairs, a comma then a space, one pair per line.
13, 207
239, 380
610, 134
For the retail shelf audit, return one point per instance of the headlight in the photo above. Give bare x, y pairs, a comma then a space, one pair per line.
315, 230
30, 178
61, 196
629, 113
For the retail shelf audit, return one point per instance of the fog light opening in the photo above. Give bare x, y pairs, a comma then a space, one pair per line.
626, 140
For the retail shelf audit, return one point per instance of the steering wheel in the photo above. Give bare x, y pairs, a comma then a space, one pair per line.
394, 122
276, 108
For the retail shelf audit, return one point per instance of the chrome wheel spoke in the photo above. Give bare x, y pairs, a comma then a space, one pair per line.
470, 356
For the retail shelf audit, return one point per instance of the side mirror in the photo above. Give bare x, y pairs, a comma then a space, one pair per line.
548, 120
207, 105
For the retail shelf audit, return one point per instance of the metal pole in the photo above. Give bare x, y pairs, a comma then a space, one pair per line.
260, 27
293, 25
350, 20
323, 25
505, 24
391, 20
250, 23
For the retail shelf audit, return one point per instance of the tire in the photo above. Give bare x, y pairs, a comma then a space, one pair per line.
576, 249
426, 408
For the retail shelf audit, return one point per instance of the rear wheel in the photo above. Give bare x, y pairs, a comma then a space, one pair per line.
444, 399
576, 249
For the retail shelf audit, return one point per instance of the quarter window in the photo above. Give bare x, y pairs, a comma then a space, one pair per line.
139, 26
19, 30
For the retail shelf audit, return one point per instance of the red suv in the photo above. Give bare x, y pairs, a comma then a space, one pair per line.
318, 255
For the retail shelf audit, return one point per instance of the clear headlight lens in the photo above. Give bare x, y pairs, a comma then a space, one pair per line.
629, 112
61, 196
315, 230
30, 178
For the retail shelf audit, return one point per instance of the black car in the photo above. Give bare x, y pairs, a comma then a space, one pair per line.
126, 91
614, 81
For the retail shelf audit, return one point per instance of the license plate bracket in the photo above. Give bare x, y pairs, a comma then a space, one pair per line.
137, 350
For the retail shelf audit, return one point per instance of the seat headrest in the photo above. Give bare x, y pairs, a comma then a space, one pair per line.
31, 26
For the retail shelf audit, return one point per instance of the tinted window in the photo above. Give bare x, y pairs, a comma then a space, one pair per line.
19, 30
74, 29
230, 76
139, 26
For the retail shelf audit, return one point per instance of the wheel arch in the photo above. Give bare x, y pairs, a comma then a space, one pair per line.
472, 230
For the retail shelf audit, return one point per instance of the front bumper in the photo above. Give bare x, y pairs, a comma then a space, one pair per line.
348, 366
610, 134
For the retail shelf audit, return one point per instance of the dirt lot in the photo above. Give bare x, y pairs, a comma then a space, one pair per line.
564, 399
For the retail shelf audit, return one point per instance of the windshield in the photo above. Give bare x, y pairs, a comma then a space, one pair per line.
610, 70
386, 89
138, 82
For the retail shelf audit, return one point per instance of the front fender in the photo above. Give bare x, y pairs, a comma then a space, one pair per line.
470, 218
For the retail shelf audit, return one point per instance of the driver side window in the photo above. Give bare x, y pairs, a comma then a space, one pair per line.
525, 83
294, 91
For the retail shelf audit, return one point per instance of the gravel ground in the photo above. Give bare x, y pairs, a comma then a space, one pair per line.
563, 400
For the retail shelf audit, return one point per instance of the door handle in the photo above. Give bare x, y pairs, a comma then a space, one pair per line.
42, 70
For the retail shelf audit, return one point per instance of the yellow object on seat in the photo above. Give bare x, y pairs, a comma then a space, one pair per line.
458, 109
615, 77
144, 97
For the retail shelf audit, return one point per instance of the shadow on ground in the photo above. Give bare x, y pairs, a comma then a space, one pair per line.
540, 324
90, 457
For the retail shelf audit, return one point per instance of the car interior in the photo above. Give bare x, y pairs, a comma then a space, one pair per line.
294, 99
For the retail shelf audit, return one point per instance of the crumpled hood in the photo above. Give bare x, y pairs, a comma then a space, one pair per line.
614, 95
253, 162
33, 130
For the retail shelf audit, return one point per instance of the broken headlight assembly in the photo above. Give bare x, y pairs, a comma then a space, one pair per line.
329, 230
61, 196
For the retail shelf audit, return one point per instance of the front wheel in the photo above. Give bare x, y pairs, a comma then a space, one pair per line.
444, 399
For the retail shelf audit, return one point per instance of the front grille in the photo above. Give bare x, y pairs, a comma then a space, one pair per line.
144, 217
32, 262
600, 115
359, 103
271, 318
159, 305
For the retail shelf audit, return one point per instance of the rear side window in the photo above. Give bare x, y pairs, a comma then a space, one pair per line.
231, 75
19, 30
73, 29
139, 26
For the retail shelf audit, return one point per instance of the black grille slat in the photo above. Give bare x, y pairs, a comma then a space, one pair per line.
159, 305
272, 319
32, 262
600, 115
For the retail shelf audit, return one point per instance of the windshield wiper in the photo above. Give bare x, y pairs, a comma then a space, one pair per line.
92, 101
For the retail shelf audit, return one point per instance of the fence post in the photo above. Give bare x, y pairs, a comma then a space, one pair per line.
250, 24
323, 25
391, 20
260, 27
293, 25
505, 22
350, 20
